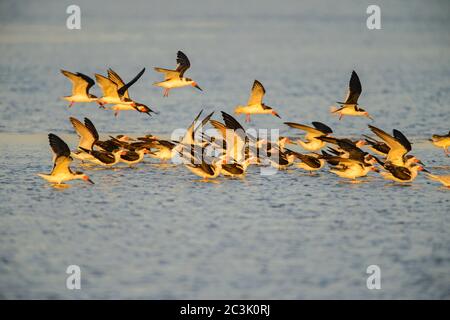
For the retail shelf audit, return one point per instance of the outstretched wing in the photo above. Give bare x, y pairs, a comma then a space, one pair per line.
87, 137
81, 83
182, 63
257, 93
354, 89
168, 74
402, 139
397, 150
124, 88
312, 133
322, 127
109, 87
59, 147
61, 159
114, 77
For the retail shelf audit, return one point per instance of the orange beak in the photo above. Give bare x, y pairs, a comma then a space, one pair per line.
195, 85
86, 178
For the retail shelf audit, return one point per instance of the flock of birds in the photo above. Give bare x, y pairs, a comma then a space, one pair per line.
233, 149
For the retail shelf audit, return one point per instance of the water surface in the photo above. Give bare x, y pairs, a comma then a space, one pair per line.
155, 231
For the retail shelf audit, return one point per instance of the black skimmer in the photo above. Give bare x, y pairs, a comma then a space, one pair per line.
88, 137
61, 163
105, 158
350, 106
114, 93
205, 170
401, 174
202, 166
351, 168
309, 162
445, 180
81, 84
113, 76
174, 78
236, 169
312, 143
255, 104
442, 141
132, 157
399, 146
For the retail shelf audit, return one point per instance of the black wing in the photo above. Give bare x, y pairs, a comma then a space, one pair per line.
167, 144
183, 63
207, 168
108, 145
402, 139
322, 127
89, 80
310, 161
88, 123
401, 173
103, 156
233, 168
122, 90
130, 156
59, 147
354, 88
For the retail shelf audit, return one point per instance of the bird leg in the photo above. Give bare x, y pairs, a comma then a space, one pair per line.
116, 113
247, 117
101, 105
71, 104
166, 92
341, 116
446, 152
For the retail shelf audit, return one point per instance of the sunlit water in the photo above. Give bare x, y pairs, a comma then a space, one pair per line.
155, 231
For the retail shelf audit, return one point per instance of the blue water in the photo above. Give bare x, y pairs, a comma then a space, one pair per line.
155, 231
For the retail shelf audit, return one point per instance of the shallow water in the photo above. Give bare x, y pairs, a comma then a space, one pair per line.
156, 231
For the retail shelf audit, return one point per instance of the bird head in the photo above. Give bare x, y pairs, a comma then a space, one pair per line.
86, 178
275, 114
195, 85
366, 114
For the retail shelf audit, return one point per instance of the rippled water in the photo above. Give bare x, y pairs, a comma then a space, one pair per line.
156, 231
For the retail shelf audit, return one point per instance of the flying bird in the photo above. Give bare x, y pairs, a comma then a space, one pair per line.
318, 130
174, 78
350, 106
81, 84
88, 138
398, 145
116, 93
140, 107
255, 104
61, 163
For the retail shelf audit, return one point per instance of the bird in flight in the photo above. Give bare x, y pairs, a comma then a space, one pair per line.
175, 78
